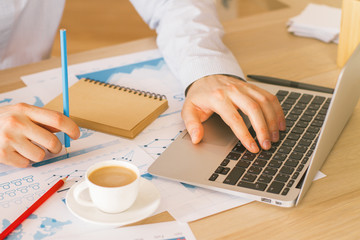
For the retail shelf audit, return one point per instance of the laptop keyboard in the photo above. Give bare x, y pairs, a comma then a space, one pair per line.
277, 169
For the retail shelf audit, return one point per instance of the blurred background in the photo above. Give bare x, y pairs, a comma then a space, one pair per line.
93, 24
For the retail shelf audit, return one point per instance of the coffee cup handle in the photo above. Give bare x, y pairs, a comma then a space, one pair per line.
77, 194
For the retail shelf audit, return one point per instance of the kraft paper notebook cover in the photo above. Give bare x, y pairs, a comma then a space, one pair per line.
110, 108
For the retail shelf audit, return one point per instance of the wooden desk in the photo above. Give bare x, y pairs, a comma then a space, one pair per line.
262, 45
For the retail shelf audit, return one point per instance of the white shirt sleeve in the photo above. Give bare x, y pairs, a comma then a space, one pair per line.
27, 30
189, 38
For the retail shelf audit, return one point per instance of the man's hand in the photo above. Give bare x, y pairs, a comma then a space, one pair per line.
23, 125
225, 95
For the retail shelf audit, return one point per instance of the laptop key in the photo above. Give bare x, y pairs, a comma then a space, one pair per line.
213, 177
300, 106
275, 164
276, 144
318, 100
297, 130
270, 171
308, 154
301, 166
313, 106
290, 101
313, 129
296, 111
285, 192
284, 150
294, 95
320, 117
243, 164
260, 163
316, 123
295, 175
255, 186
275, 187
309, 136
301, 149
305, 98
296, 156
219, 169
305, 142
290, 183
285, 106
239, 148
280, 98
249, 177
291, 163
289, 143
248, 156
282, 177
325, 106
234, 175
254, 170
292, 117
288, 128
302, 124
225, 162
304, 161
225, 171
282, 93
233, 156
266, 155
265, 178
306, 118
323, 111
310, 112
293, 136
287, 170
280, 156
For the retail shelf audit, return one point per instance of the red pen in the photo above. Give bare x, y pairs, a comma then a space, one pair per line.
32, 208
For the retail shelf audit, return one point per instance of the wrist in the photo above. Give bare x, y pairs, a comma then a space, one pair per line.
226, 75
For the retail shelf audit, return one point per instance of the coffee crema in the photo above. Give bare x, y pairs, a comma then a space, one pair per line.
112, 176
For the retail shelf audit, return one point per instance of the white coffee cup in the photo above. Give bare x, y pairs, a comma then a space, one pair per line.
113, 186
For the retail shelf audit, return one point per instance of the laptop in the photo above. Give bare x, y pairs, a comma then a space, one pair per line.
282, 175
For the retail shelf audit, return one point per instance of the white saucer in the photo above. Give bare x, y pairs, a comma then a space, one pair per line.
146, 203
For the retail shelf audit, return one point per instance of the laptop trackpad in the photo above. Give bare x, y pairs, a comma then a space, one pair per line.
216, 132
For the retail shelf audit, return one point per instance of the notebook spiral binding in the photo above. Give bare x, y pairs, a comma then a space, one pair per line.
129, 90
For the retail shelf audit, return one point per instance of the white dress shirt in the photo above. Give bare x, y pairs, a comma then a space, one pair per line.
27, 30
189, 34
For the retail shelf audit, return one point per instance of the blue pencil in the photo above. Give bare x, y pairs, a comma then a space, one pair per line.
64, 81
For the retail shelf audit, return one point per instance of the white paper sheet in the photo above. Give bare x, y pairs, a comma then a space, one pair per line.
157, 231
317, 21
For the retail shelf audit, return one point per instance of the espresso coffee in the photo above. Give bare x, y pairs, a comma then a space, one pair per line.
112, 176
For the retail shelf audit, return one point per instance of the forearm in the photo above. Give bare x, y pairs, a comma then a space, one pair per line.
189, 37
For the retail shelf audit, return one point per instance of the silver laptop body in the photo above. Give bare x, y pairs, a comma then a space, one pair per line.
210, 164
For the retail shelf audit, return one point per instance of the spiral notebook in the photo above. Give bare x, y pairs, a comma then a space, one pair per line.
111, 108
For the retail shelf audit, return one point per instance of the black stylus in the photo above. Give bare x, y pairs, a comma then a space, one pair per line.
288, 83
